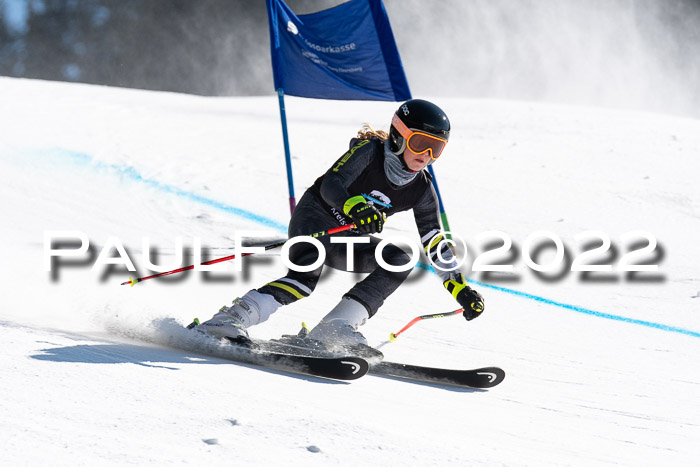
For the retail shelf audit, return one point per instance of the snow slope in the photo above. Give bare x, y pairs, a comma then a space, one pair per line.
601, 370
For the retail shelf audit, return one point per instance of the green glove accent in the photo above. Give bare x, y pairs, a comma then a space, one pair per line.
471, 301
366, 217
352, 202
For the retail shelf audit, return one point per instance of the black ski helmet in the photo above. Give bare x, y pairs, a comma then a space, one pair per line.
418, 114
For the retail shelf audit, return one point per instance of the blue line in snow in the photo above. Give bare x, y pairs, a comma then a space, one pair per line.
131, 173
578, 309
587, 311
134, 175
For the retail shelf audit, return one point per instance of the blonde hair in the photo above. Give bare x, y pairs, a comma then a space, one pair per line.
367, 132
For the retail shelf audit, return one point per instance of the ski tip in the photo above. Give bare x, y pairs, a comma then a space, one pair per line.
354, 368
490, 376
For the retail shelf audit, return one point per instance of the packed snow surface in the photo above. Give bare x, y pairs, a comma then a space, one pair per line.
603, 368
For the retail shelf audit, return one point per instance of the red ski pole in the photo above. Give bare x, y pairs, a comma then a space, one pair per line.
394, 335
132, 282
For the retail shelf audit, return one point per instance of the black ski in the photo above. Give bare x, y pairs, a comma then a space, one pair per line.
260, 353
480, 378
297, 354
342, 368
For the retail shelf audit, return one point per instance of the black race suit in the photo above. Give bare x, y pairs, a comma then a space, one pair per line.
360, 171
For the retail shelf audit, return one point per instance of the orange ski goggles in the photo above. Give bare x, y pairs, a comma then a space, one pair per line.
419, 141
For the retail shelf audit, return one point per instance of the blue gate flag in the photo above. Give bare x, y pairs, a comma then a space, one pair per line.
346, 52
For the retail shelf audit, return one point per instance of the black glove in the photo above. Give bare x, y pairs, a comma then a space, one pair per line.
367, 218
471, 301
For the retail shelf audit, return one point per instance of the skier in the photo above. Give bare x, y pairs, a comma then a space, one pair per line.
379, 175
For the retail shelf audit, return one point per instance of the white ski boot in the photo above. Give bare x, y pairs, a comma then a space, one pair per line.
339, 327
231, 323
